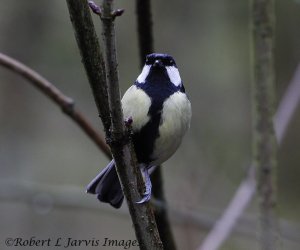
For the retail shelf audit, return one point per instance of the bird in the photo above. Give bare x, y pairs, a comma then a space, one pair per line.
160, 114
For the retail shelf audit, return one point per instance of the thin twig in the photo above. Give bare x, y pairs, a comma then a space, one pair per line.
63, 101
264, 145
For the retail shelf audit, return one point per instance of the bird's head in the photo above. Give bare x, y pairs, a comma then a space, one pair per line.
160, 60
160, 67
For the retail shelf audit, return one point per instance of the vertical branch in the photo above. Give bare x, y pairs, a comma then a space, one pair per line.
161, 214
91, 55
264, 144
145, 38
111, 67
144, 25
121, 147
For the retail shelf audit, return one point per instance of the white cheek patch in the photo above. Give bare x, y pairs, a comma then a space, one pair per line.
145, 72
174, 75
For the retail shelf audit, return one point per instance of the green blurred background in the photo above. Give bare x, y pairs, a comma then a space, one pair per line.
46, 161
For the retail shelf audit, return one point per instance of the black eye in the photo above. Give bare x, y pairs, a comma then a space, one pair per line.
168, 62
149, 61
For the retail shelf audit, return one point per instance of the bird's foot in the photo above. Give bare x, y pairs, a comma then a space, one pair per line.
147, 194
128, 122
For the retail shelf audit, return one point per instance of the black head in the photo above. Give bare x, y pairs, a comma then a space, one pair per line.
160, 68
160, 60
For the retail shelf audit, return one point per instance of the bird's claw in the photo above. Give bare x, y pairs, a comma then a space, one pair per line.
147, 194
146, 198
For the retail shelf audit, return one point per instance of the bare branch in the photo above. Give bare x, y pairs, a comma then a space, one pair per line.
91, 56
122, 150
112, 69
145, 33
161, 213
263, 99
63, 101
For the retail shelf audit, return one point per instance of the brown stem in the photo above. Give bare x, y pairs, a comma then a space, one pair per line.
63, 101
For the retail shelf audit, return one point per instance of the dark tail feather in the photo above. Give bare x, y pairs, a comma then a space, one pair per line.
107, 187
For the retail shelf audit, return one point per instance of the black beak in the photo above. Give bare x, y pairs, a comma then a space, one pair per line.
158, 64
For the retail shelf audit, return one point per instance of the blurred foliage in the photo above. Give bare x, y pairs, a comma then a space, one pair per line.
210, 42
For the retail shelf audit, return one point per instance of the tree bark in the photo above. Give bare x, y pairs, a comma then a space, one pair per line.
263, 99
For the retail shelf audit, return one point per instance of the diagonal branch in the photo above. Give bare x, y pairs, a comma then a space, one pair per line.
63, 101
287, 107
224, 225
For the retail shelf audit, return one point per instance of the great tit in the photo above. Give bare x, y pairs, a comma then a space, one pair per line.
160, 112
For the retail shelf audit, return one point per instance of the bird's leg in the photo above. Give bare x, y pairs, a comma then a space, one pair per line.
147, 193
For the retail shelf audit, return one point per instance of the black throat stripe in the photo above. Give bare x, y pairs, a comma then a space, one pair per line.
158, 88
